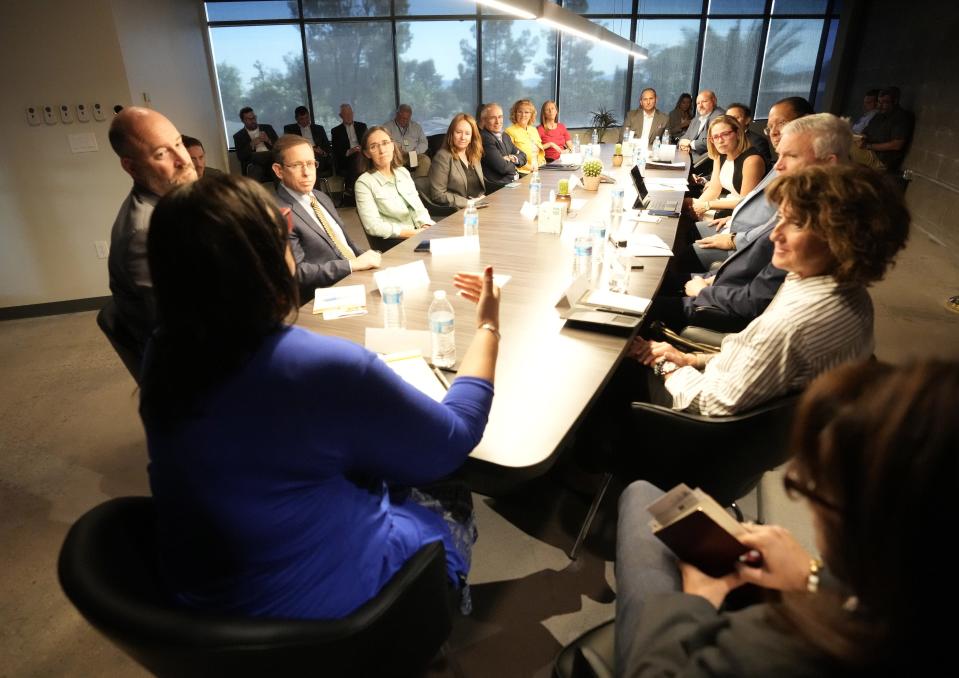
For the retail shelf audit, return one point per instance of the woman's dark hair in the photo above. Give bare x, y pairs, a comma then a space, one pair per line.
397, 160
857, 211
217, 250
683, 97
881, 445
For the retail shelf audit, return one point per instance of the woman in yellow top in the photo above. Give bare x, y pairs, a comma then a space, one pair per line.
524, 135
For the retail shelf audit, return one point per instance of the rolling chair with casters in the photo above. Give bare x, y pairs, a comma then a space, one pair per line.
107, 569
726, 456
436, 210
124, 343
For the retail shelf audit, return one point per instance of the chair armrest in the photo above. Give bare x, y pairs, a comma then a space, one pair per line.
713, 318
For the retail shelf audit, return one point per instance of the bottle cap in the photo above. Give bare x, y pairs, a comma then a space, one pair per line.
439, 294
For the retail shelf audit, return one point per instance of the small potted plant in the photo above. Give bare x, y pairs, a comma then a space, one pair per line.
617, 155
562, 192
592, 168
603, 119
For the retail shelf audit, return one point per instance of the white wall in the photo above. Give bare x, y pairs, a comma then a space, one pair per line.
53, 203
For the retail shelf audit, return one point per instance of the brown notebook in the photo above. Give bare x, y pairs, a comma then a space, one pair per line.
698, 530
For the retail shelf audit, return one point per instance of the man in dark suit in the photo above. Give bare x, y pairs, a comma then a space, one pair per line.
744, 115
647, 122
694, 140
313, 133
323, 251
500, 155
347, 137
253, 144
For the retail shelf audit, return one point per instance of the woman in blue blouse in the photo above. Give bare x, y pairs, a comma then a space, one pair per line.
275, 495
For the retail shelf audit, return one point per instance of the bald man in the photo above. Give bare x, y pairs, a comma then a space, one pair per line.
694, 140
151, 151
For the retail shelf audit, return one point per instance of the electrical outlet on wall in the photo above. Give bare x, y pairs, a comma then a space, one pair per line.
66, 114
49, 114
103, 248
33, 115
98, 114
83, 113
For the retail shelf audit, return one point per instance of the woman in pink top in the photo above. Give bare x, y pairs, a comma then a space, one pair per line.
553, 133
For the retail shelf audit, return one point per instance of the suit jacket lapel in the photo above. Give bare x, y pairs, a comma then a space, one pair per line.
305, 217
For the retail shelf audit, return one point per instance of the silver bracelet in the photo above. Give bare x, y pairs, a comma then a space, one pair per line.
492, 328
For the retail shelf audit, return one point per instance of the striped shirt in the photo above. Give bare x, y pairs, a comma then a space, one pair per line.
812, 325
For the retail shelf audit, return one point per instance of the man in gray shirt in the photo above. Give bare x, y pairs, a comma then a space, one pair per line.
409, 138
151, 151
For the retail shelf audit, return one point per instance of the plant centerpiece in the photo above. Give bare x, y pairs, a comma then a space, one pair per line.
603, 119
617, 155
562, 192
592, 168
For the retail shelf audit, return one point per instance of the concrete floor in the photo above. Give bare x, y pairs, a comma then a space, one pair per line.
70, 438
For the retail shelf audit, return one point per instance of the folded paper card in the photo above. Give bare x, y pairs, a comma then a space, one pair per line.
339, 302
408, 276
457, 245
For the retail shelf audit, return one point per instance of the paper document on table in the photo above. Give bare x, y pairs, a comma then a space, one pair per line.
647, 245
339, 302
458, 245
616, 301
664, 184
395, 340
415, 371
408, 276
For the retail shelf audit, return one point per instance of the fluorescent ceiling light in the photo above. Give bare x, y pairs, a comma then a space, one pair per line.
524, 9
574, 24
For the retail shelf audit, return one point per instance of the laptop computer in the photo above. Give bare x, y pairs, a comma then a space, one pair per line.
666, 205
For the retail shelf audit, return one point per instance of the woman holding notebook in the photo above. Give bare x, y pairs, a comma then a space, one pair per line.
875, 461
275, 496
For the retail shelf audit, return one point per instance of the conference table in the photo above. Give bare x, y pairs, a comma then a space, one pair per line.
547, 373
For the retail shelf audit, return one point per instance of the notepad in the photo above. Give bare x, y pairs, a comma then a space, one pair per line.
647, 245
412, 367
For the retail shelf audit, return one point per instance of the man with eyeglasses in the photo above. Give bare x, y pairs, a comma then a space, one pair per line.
323, 251
501, 157
151, 151
694, 140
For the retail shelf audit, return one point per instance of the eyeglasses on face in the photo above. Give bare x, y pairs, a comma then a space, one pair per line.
719, 136
775, 127
382, 144
796, 487
300, 166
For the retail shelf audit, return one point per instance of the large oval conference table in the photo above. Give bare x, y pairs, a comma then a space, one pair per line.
548, 373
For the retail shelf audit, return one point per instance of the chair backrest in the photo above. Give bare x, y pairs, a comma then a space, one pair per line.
725, 456
434, 142
123, 342
107, 568
436, 211
382, 244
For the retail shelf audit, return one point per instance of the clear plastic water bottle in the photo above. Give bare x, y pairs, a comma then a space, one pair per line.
625, 133
582, 255
666, 139
656, 145
394, 317
471, 220
535, 188
442, 335
575, 143
594, 139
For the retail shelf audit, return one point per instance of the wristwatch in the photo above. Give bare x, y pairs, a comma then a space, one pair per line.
664, 367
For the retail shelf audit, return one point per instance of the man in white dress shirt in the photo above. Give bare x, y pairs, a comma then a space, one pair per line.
647, 122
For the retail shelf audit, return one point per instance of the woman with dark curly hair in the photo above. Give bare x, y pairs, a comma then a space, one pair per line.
874, 458
839, 229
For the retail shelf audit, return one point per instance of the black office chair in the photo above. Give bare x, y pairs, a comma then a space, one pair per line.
436, 210
725, 456
124, 343
592, 655
434, 142
382, 244
107, 568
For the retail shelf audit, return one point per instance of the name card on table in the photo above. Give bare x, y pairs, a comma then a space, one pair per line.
551, 217
458, 245
667, 152
528, 211
408, 276
339, 302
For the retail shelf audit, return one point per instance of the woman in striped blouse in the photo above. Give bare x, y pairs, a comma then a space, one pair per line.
839, 229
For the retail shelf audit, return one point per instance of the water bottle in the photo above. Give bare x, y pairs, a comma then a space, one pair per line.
625, 134
471, 220
656, 145
535, 188
582, 255
394, 317
594, 139
575, 143
666, 137
442, 336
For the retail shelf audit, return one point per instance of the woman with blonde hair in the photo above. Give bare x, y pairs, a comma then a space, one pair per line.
524, 135
737, 168
456, 174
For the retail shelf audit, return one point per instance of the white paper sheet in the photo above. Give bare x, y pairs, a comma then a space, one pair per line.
457, 245
339, 301
408, 276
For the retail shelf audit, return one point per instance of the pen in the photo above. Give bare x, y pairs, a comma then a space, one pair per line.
637, 267
439, 375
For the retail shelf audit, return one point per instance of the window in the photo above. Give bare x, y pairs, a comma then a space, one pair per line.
791, 50
519, 62
351, 62
729, 58
261, 67
249, 11
672, 45
593, 76
422, 7
437, 62
344, 9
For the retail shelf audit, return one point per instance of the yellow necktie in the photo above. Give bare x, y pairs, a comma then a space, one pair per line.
341, 246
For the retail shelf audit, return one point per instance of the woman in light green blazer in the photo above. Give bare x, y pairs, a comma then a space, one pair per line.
386, 197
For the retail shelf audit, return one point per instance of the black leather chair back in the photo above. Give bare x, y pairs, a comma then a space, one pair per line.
124, 343
436, 211
107, 568
434, 142
725, 456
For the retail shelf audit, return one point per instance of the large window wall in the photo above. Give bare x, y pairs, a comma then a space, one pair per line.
445, 56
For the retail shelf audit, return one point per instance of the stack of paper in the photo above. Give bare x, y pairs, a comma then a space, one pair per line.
340, 302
